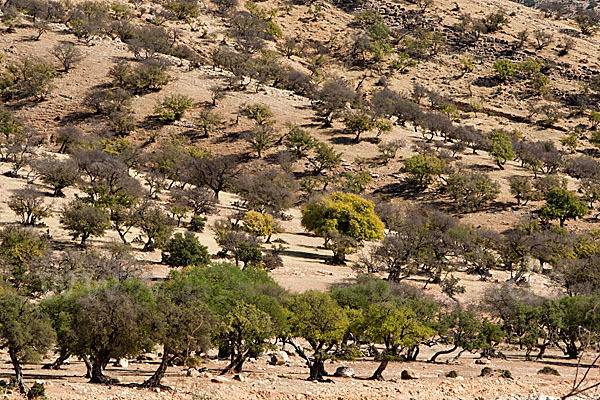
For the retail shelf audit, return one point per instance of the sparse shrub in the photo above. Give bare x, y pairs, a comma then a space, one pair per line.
28, 204
28, 77
172, 107
67, 54
504, 69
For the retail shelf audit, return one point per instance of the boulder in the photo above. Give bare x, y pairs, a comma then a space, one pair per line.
406, 374
279, 358
193, 372
344, 372
482, 361
239, 377
123, 363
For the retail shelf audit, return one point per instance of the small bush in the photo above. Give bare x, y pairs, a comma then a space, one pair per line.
172, 107
504, 373
37, 391
197, 223
182, 251
451, 374
548, 371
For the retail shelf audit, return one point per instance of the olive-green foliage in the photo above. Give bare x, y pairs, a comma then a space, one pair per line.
232, 293
185, 250
504, 69
501, 148
471, 190
147, 76
25, 332
548, 371
562, 204
326, 158
317, 318
172, 107
423, 168
345, 214
299, 141
155, 224
84, 220
103, 321
358, 123
28, 77
259, 113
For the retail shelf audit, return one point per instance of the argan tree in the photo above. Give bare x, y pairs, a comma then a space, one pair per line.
25, 332
346, 216
317, 318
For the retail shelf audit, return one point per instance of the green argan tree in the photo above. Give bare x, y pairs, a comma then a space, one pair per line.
318, 319
562, 204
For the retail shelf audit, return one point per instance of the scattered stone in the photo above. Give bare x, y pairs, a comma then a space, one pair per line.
239, 377
483, 361
219, 379
406, 375
344, 372
123, 363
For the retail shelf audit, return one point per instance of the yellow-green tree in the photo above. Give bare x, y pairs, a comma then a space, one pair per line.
260, 224
345, 220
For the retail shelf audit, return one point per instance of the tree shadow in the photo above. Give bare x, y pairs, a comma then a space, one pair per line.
307, 255
482, 167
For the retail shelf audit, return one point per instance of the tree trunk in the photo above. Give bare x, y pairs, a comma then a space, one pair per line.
235, 365
98, 373
339, 258
62, 357
88, 366
317, 371
18, 372
412, 353
442, 352
377, 375
122, 235
159, 374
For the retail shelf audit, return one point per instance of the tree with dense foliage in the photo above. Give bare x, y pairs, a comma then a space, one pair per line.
501, 148
423, 168
185, 250
247, 305
155, 224
345, 214
326, 158
317, 318
521, 188
471, 190
21, 249
104, 321
396, 327
183, 322
260, 225
563, 205
299, 141
84, 220
25, 332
